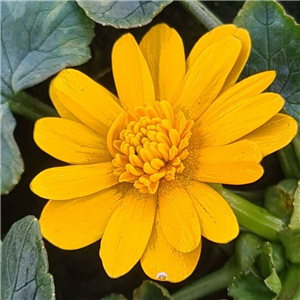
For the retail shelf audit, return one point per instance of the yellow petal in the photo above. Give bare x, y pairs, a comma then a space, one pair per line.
114, 131
251, 86
69, 182
178, 217
70, 141
87, 100
218, 222
61, 109
161, 261
206, 77
163, 50
207, 39
127, 233
76, 223
244, 37
217, 34
237, 163
275, 134
131, 74
229, 119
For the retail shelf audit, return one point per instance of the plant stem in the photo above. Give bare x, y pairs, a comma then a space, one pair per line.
253, 217
210, 283
255, 196
201, 13
30, 108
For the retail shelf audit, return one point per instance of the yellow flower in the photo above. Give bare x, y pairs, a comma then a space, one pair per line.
140, 162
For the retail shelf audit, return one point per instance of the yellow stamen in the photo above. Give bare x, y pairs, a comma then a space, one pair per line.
150, 145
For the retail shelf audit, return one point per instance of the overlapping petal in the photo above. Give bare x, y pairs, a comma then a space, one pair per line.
113, 132
218, 222
76, 223
63, 183
179, 220
131, 74
229, 119
163, 50
161, 261
61, 109
236, 163
78, 95
248, 87
275, 134
70, 141
127, 233
205, 78
217, 34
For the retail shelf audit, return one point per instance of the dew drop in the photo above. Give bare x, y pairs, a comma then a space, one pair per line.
162, 276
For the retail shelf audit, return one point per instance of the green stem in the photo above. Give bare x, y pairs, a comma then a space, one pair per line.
201, 13
30, 108
210, 283
289, 162
255, 196
253, 217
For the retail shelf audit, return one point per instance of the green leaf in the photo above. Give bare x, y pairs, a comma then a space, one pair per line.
247, 249
290, 237
291, 284
259, 263
279, 198
150, 290
275, 46
11, 161
249, 287
291, 243
295, 219
40, 38
273, 282
289, 162
267, 266
24, 268
123, 14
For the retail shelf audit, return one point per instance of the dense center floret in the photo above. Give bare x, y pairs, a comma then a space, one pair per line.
152, 146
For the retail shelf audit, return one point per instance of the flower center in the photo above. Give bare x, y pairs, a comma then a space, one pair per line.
151, 147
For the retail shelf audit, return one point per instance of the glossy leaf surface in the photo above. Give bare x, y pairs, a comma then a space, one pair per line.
122, 14
24, 268
275, 46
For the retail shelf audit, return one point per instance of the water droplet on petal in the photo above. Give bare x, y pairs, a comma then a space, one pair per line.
162, 276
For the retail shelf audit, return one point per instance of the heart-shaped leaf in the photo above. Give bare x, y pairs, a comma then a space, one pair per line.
123, 14
275, 46
24, 268
38, 39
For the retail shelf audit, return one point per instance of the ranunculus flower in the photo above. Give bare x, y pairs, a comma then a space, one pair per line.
140, 163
